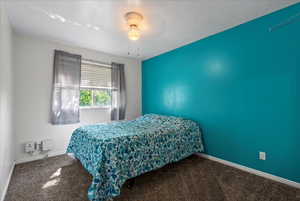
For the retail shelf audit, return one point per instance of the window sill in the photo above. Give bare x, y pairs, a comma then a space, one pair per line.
94, 108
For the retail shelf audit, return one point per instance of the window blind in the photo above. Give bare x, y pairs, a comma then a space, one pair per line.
95, 76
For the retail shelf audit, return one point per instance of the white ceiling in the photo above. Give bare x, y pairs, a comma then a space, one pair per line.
167, 24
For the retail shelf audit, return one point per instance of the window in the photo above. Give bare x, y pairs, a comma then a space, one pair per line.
95, 86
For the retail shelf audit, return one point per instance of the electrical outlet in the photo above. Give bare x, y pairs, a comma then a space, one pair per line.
30, 147
262, 156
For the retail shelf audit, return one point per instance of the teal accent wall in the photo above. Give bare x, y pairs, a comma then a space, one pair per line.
242, 86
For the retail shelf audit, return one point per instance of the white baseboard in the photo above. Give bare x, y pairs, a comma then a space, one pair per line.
7, 182
40, 156
251, 170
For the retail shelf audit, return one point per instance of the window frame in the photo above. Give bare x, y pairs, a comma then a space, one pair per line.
100, 65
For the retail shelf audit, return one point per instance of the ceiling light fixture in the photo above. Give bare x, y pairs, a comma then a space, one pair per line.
133, 20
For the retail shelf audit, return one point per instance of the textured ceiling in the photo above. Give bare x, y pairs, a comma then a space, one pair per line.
167, 24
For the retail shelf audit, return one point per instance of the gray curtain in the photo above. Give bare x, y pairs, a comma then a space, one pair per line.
118, 109
65, 88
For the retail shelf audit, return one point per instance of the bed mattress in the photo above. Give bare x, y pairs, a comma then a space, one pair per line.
115, 152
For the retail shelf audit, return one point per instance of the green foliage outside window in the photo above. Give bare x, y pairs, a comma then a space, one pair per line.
86, 97
102, 97
95, 97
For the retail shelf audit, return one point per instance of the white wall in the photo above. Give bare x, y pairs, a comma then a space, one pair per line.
6, 133
32, 87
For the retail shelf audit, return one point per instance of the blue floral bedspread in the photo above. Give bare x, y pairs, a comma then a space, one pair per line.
115, 152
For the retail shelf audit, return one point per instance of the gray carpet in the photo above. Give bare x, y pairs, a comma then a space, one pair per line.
62, 178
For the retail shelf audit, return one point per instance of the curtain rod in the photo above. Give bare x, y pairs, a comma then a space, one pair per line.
97, 63
90, 61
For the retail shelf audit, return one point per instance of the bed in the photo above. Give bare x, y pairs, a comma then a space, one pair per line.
115, 152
